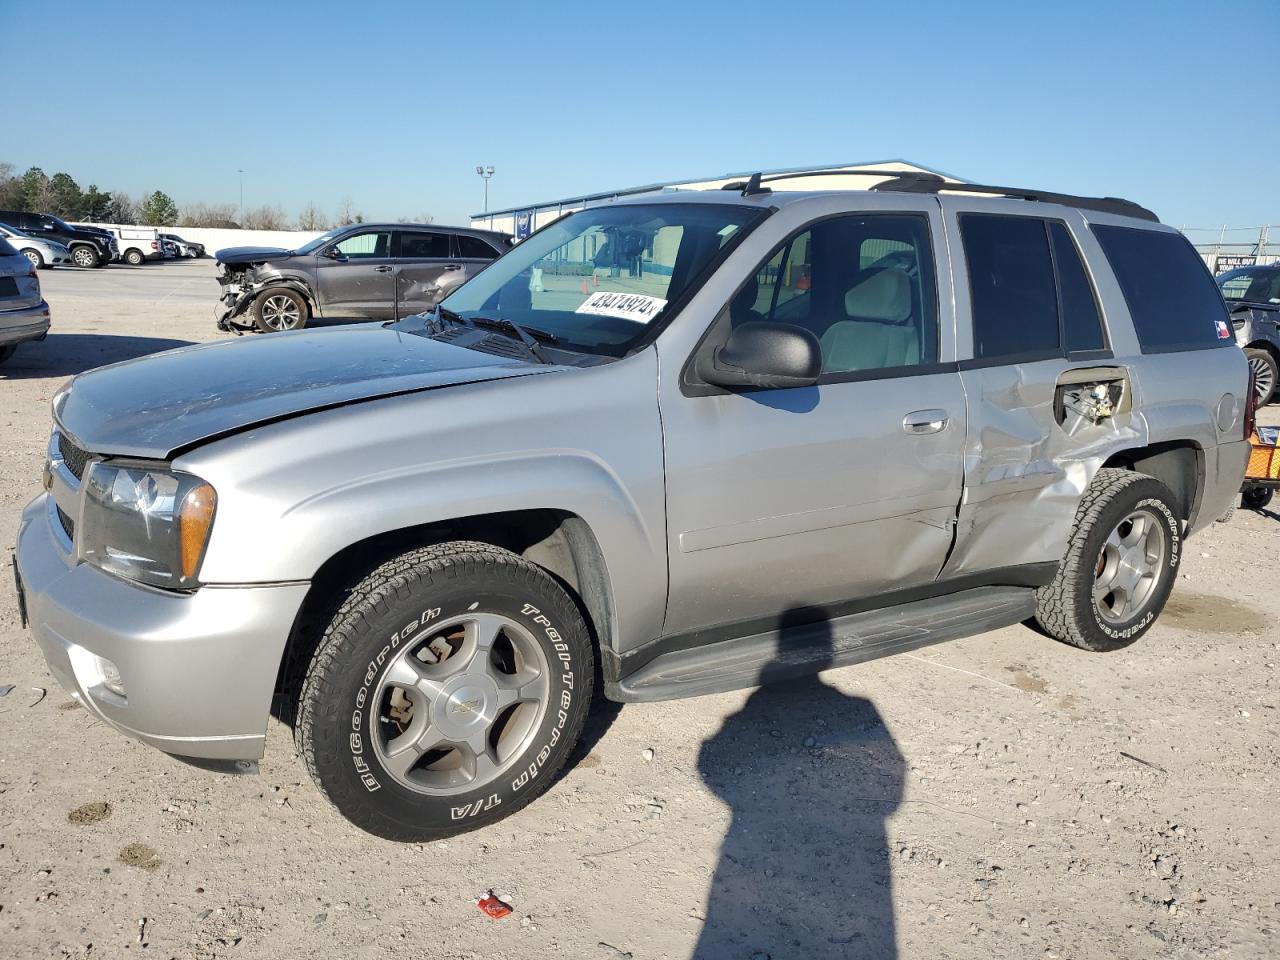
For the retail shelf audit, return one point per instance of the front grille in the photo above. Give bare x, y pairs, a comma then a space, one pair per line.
72, 456
68, 525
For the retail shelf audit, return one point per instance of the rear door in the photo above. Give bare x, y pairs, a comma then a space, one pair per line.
425, 270
1030, 331
837, 493
355, 276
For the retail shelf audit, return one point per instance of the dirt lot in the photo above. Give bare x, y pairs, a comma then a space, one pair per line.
1003, 796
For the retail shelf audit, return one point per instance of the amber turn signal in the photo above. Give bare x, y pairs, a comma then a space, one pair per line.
195, 519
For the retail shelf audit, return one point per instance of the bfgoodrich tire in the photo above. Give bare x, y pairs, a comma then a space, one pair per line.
1121, 563
445, 693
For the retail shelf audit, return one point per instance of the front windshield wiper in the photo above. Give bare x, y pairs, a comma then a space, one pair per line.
529, 336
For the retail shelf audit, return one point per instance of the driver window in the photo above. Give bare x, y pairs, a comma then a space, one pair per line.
365, 246
863, 285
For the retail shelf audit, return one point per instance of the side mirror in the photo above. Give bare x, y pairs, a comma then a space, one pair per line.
768, 355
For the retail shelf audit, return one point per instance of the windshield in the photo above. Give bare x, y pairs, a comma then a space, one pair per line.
597, 278
1255, 284
311, 246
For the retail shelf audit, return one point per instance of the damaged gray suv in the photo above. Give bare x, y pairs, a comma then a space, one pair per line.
664, 447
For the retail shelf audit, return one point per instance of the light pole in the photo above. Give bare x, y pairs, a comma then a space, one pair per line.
485, 173
241, 215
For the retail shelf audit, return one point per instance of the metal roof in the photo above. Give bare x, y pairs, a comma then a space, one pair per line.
673, 184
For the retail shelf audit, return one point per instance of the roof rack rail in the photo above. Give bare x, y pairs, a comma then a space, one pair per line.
910, 181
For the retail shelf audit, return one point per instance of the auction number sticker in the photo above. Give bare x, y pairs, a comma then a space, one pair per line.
628, 306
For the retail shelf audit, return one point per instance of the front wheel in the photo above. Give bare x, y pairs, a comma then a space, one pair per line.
1266, 372
445, 693
280, 309
84, 256
1121, 563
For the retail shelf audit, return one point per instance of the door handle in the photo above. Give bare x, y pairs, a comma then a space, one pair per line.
453, 266
925, 421
384, 268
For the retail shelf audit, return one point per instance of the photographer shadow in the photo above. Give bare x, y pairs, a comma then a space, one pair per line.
810, 775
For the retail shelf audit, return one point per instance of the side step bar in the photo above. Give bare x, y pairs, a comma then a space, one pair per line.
782, 654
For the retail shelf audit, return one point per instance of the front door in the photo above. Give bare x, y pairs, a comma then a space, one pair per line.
425, 272
355, 276
821, 496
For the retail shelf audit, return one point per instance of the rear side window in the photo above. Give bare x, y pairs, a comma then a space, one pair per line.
1014, 300
473, 248
1081, 324
1174, 302
425, 245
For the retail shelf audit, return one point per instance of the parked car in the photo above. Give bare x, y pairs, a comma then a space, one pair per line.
377, 270
137, 245
107, 235
89, 248
42, 253
1253, 295
24, 315
436, 532
170, 249
186, 248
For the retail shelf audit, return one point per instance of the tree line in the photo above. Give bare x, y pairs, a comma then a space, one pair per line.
37, 192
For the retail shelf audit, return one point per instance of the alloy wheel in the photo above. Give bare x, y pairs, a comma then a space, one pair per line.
1129, 567
280, 312
1264, 377
459, 704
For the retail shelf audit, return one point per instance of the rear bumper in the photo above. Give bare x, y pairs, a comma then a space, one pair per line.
1224, 475
199, 669
29, 323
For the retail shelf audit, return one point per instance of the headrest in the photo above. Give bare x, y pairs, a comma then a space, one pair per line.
884, 297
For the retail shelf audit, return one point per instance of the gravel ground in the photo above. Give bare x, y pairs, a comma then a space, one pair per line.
1002, 796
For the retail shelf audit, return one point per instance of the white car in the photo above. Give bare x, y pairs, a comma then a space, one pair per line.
41, 252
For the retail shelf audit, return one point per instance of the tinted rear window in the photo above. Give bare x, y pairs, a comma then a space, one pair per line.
473, 248
1173, 300
1015, 303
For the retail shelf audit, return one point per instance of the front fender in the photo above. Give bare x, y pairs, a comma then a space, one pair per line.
293, 494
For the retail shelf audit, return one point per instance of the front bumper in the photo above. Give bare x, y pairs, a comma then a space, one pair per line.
29, 323
199, 669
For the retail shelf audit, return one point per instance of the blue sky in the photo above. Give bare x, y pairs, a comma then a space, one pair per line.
395, 104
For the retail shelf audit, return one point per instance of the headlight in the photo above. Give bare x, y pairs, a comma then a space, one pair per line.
145, 524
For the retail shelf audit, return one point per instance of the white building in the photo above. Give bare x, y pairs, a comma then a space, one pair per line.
523, 220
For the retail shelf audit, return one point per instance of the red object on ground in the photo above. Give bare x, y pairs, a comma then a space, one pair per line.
492, 907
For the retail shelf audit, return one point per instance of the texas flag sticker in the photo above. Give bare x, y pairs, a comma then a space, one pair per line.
1224, 331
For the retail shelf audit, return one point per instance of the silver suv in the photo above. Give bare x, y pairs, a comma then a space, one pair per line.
663, 447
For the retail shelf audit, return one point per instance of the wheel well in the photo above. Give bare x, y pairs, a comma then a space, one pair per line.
1178, 464
560, 542
1268, 346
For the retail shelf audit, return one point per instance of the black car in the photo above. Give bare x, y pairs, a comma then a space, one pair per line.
1253, 294
89, 247
383, 271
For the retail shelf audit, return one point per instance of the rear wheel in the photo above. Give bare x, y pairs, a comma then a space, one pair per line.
37, 260
445, 693
1265, 373
280, 309
134, 257
84, 256
1256, 498
1121, 563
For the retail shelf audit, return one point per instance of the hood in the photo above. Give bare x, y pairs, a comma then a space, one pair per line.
236, 255
156, 405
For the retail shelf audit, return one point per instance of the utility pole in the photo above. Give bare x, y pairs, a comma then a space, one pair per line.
485, 174
241, 215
